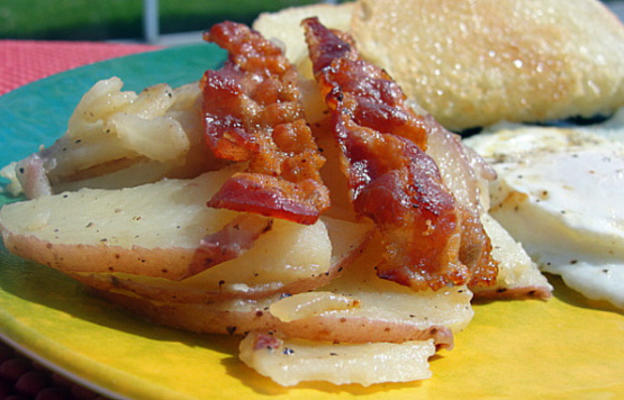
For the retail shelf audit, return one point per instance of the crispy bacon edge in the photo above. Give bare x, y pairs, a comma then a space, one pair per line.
391, 178
252, 112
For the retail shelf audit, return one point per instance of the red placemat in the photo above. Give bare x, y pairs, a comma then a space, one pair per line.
24, 61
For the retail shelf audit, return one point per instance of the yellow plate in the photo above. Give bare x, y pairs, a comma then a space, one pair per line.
560, 348
556, 349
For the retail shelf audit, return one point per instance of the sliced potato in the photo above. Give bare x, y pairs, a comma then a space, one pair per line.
151, 230
289, 362
518, 276
384, 311
332, 172
119, 139
306, 305
257, 278
144, 238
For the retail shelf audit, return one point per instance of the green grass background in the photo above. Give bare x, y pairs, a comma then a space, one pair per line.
121, 19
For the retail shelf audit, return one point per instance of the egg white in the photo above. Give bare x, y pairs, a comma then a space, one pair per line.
560, 192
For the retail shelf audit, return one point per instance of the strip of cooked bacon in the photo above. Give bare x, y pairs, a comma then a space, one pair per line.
392, 180
398, 186
252, 112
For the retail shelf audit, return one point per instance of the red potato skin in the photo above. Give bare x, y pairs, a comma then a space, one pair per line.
96, 265
203, 318
108, 282
518, 293
72, 258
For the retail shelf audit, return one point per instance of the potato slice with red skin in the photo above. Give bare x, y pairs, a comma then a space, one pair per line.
383, 311
347, 240
143, 239
518, 276
152, 230
241, 316
289, 362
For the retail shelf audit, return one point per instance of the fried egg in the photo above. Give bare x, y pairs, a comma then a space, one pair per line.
560, 192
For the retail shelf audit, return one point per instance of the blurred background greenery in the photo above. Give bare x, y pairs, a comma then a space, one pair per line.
121, 19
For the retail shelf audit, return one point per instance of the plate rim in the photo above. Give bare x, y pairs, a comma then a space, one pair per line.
52, 366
